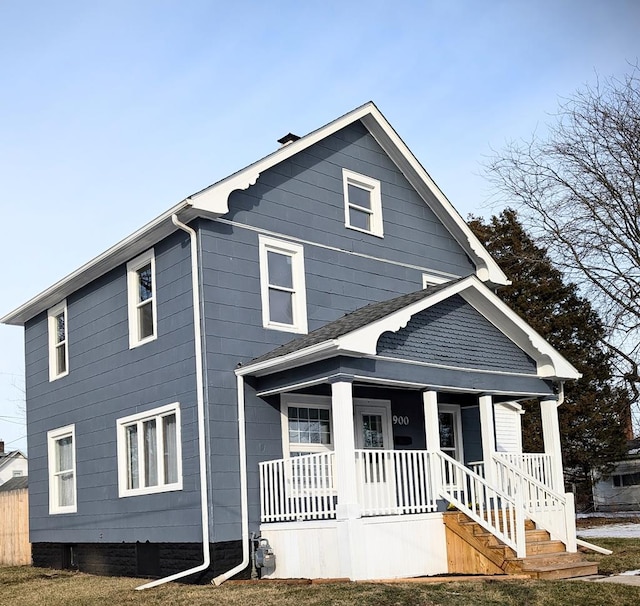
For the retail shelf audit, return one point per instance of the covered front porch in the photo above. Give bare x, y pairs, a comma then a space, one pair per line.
395, 414
380, 491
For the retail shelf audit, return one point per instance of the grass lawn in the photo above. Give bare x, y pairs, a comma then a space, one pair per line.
26, 586
625, 556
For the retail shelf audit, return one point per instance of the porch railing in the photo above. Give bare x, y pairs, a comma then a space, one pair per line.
298, 488
536, 465
495, 510
395, 482
550, 510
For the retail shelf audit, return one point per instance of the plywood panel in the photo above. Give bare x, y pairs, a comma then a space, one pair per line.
15, 549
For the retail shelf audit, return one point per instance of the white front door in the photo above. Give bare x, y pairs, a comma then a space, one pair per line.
375, 469
450, 426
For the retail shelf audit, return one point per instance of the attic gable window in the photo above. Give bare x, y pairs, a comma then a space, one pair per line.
58, 349
362, 203
141, 287
282, 285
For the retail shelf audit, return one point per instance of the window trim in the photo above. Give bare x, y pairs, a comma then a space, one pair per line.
373, 187
132, 298
433, 280
299, 294
52, 314
121, 445
303, 401
53, 437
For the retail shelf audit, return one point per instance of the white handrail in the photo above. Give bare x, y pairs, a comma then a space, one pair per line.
496, 511
550, 510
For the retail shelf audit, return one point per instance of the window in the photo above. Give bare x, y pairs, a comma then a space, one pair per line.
306, 424
17, 474
58, 342
62, 470
149, 453
282, 283
626, 479
432, 280
362, 203
141, 287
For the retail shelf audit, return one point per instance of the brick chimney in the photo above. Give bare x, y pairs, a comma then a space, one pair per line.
1, 446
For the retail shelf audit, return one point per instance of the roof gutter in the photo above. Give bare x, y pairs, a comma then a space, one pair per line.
197, 333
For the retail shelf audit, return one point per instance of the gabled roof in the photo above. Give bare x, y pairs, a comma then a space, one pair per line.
6, 458
213, 201
357, 333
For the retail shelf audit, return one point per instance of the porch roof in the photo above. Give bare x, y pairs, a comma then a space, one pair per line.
358, 335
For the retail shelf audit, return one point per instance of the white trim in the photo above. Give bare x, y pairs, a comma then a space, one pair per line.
297, 291
369, 405
455, 410
303, 401
432, 280
53, 437
54, 344
133, 301
372, 187
137, 419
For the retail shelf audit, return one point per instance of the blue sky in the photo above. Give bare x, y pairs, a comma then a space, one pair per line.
113, 111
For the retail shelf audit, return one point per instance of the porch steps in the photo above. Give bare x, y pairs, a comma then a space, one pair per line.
546, 559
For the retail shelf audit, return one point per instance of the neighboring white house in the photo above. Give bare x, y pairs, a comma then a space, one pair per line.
621, 490
13, 464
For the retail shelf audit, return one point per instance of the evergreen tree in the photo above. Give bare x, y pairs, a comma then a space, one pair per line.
593, 418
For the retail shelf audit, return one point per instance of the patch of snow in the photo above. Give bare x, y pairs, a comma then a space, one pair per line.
631, 572
617, 531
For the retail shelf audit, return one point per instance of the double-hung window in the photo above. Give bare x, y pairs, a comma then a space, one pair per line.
141, 287
362, 203
282, 284
306, 424
62, 470
149, 451
58, 341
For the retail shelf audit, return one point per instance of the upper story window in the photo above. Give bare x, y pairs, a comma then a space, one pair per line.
141, 287
62, 470
58, 342
282, 285
362, 203
432, 280
149, 451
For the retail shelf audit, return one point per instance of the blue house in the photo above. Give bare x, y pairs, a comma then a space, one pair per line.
310, 351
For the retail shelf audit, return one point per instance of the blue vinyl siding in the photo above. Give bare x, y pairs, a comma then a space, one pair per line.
106, 381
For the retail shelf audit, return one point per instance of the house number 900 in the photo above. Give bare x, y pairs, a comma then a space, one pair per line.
400, 420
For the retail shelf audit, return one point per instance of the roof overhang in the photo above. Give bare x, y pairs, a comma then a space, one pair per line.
362, 342
213, 201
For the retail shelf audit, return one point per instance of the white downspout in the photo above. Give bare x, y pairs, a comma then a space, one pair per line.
204, 498
244, 505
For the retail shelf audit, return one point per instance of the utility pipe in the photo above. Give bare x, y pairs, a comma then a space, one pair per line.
244, 505
204, 498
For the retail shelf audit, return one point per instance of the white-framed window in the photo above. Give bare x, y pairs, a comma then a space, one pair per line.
141, 290
61, 447
362, 203
282, 285
58, 341
149, 451
306, 424
433, 280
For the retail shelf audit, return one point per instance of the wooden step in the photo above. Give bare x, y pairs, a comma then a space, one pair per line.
545, 560
568, 570
539, 547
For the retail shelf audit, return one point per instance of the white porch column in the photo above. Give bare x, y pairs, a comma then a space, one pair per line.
551, 437
431, 421
344, 449
432, 436
487, 431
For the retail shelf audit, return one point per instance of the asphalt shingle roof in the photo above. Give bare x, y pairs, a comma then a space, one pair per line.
352, 321
16, 483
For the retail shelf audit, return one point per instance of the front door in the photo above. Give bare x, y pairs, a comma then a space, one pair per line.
450, 425
375, 469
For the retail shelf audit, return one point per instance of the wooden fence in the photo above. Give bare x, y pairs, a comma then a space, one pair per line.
15, 549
